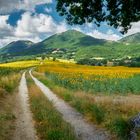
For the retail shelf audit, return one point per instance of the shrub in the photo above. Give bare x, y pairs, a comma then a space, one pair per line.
98, 113
121, 127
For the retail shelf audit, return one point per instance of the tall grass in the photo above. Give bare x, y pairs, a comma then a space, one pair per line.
6, 70
7, 117
48, 121
110, 112
9, 80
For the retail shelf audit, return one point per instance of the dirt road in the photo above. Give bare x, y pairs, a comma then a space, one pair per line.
83, 129
24, 124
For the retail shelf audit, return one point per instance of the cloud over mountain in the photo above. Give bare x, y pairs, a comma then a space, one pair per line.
7, 6
30, 27
37, 24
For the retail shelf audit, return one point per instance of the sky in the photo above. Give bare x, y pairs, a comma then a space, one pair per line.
35, 20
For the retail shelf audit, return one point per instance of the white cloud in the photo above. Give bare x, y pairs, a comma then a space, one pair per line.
7, 40
110, 35
7, 6
134, 29
25, 26
29, 27
48, 10
36, 27
30, 4
5, 27
38, 24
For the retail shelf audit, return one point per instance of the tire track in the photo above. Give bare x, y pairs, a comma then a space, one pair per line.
24, 125
83, 130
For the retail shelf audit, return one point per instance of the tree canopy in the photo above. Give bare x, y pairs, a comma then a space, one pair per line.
117, 13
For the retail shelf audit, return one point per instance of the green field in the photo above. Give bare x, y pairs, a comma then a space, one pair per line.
96, 92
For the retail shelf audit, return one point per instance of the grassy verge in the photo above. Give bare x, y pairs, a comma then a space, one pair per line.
111, 112
48, 121
8, 86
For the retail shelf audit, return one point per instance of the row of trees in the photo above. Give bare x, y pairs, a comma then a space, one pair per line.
135, 62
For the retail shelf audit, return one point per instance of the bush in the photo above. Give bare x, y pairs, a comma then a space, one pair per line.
98, 113
121, 127
92, 62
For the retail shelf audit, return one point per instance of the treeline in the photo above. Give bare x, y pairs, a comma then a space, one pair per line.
133, 62
92, 62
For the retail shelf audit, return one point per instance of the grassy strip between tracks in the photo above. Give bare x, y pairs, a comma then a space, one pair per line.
48, 121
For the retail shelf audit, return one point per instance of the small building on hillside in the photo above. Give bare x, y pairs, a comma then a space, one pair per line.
110, 63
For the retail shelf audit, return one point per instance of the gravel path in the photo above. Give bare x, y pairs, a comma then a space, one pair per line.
83, 129
24, 125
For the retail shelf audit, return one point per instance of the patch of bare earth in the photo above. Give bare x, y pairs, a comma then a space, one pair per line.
83, 129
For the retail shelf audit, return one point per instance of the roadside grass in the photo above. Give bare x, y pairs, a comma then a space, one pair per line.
111, 112
9, 83
48, 121
8, 89
7, 117
9, 79
7, 70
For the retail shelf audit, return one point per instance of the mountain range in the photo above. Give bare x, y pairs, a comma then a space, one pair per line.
75, 45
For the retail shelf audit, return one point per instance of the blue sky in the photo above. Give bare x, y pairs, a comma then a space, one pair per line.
36, 20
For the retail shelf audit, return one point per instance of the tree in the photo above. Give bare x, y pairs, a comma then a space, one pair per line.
54, 59
117, 13
43, 57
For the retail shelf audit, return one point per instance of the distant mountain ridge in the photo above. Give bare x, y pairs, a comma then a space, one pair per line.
75, 45
68, 39
16, 47
134, 38
72, 38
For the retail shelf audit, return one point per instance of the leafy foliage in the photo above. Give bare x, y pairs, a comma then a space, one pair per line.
117, 13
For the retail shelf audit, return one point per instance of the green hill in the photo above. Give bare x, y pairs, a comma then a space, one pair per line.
67, 41
17, 47
76, 45
71, 39
134, 38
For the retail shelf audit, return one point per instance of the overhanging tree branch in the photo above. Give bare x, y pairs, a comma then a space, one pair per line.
117, 13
